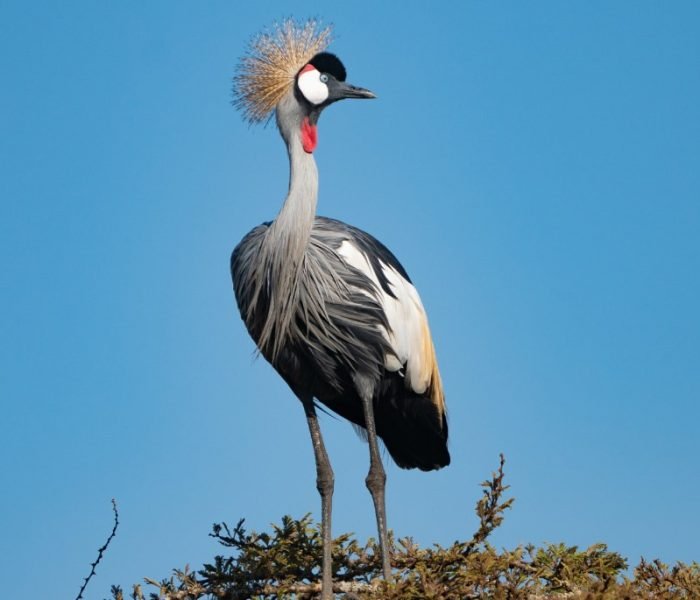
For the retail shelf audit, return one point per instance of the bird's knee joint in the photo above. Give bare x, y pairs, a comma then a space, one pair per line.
325, 484
376, 479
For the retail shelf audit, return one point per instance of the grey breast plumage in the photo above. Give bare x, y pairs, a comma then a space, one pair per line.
337, 334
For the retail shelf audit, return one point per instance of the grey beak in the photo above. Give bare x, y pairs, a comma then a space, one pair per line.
345, 90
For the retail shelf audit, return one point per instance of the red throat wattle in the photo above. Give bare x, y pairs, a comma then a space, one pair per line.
309, 135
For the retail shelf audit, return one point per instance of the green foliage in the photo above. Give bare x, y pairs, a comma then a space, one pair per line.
285, 564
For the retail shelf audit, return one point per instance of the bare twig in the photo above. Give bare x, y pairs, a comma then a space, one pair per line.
101, 551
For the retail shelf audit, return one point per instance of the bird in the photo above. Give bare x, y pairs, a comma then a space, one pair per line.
327, 304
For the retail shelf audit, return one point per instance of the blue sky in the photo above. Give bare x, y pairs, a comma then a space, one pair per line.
534, 165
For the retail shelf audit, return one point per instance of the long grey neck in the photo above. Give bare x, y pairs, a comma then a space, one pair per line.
296, 217
287, 238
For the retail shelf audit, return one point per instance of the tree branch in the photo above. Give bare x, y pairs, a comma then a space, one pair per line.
101, 551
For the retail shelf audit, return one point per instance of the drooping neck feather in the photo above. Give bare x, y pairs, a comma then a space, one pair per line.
287, 238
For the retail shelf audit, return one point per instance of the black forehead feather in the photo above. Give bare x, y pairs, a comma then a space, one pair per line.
329, 63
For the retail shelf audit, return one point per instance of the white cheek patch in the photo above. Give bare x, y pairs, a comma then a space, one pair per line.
310, 84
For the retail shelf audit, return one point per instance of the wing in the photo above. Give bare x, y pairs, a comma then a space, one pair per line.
409, 336
253, 302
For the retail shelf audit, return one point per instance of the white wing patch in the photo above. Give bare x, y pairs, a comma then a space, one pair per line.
410, 335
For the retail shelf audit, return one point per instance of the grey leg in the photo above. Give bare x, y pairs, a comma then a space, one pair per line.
376, 480
324, 484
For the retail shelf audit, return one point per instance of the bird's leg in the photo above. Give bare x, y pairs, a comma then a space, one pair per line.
376, 480
324, 484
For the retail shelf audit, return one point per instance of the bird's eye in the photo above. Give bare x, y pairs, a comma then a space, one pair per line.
324, 77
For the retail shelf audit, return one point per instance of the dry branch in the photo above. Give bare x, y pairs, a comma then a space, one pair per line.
101, 551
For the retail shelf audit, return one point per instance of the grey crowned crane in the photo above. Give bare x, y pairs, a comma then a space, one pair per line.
329, 306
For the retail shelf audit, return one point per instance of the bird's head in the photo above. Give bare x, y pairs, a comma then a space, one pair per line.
288, 72
319, 83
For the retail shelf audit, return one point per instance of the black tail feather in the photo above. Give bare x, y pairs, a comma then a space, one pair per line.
413, 429
415, 435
